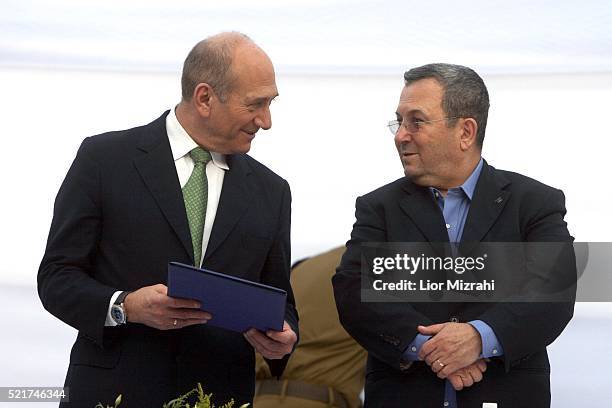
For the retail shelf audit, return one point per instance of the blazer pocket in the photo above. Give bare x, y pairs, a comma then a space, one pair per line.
86, 352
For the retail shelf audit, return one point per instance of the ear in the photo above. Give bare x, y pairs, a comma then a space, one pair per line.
203, 96
469, 128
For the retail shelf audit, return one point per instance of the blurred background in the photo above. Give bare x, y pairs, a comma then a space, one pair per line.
71, 69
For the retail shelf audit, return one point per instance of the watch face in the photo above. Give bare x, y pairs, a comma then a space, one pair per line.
117, 314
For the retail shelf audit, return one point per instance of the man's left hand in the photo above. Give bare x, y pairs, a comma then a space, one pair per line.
272, 344
452, 347
467, 376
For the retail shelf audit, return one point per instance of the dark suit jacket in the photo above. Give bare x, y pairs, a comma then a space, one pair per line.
119, 218
506, 207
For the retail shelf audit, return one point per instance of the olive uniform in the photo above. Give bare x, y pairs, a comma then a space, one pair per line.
327, 368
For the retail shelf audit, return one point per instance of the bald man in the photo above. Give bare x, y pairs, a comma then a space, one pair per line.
178, 189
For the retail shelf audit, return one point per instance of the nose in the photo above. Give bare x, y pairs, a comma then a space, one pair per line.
264, 119
402, 135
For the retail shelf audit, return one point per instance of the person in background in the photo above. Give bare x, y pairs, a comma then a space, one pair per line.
327, 367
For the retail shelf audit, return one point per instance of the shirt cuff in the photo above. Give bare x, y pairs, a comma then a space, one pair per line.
412, 351
109, 320
491, 347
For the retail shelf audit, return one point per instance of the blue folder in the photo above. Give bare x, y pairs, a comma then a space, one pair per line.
235, 304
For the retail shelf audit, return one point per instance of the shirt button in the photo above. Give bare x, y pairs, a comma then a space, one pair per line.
413, 349
494, 351
448, 226
446, 404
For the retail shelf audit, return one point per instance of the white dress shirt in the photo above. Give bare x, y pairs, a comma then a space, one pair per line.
181, 144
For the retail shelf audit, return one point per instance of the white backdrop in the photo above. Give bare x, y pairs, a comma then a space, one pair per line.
330, 142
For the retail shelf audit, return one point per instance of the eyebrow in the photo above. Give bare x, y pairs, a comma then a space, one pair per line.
259, 99
411, 112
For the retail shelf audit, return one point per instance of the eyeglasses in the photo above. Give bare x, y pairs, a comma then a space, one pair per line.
413, 126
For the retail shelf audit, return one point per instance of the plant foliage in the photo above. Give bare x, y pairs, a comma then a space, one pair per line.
203, 401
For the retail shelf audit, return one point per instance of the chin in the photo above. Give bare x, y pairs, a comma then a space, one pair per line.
243, 149
415, 177
410, 171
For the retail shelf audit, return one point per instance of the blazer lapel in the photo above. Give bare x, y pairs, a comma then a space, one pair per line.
423, 211
158, 172
488, 202
234, 200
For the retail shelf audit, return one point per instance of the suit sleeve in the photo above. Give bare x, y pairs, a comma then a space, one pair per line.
277, 272
526, 328
66, 283
384, 329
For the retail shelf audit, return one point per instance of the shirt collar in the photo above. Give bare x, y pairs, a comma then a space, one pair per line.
469, 185
181, 143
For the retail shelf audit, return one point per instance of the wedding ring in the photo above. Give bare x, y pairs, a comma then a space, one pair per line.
441, 363
174, 322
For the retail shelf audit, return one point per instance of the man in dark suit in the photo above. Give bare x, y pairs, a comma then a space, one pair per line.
178, 189
435, 354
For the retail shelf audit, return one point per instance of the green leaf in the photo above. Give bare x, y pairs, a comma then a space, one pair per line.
203, 401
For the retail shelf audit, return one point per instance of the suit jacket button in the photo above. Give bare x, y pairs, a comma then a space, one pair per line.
454, 319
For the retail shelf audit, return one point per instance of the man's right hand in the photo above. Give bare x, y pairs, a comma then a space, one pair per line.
153, 307
467, 376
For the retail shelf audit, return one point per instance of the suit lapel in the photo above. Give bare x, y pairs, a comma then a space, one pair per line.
488, 202
423, 211
158, 172
234, 200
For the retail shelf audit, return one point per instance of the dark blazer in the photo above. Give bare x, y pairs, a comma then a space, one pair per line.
119, 218
506, 207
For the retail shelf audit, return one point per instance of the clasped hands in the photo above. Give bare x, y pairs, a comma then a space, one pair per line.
453, 353
152, 306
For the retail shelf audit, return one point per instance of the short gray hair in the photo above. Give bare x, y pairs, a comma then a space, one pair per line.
210, 61
465, 93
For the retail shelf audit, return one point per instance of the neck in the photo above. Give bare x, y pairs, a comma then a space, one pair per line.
185, 117
189, 121
462, 173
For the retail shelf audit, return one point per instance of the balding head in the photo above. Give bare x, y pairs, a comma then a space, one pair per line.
210, 61
228, 85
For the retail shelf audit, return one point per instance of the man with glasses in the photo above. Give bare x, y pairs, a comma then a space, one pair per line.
178, 189
451, 354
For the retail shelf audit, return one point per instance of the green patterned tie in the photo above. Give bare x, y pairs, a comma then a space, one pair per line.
195, 195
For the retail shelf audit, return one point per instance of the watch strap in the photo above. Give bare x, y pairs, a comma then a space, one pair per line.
121, 297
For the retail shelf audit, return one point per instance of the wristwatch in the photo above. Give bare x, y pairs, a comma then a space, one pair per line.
118, 313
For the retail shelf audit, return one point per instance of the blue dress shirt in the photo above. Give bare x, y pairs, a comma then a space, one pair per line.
455, 208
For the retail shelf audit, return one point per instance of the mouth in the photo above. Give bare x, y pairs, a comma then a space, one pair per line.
408, 158
250, 134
